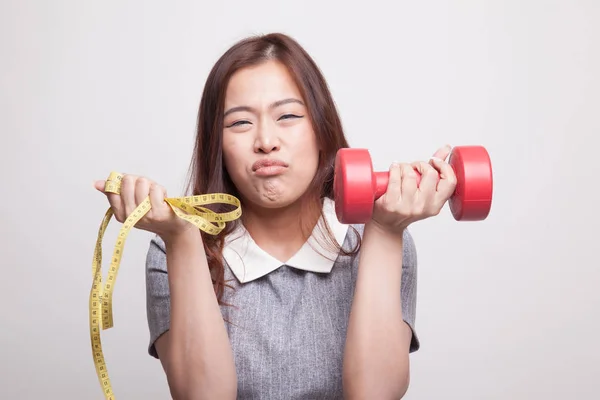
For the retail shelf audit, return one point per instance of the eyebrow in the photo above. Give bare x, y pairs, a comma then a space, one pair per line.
273, 105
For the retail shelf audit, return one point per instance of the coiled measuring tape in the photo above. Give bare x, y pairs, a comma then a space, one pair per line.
100, 302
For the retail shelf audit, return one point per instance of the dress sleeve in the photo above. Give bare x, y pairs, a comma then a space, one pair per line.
158, 299
409, 288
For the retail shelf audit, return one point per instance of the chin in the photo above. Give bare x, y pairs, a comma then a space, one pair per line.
270, 201
273, 200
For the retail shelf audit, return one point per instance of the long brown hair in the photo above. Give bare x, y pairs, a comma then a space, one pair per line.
207, 170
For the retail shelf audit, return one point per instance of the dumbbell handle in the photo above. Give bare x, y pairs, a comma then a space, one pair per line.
381, 182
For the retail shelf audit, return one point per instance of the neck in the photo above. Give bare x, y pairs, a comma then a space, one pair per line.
278, 230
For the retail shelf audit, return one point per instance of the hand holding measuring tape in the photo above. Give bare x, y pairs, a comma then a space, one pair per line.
134, 190
141, 203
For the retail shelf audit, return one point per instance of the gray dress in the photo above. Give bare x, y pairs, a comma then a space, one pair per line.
288, 326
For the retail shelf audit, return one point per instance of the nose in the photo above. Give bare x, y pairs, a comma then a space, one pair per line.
267, 139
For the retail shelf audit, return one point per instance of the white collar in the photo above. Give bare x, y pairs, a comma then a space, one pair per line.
248, 261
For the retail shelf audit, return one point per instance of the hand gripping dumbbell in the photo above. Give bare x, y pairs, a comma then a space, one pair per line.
357, 186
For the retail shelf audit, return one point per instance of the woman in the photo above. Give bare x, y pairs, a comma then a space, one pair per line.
286, 303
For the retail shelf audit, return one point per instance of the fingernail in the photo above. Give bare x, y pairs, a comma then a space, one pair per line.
436, 159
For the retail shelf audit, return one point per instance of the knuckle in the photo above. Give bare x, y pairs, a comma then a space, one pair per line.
141, 181
394, 173
161, 190
411, 172
127, 180
389, 207
428, 170
153, 189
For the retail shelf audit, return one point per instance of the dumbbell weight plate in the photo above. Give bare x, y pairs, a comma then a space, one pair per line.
472, 199
353, 186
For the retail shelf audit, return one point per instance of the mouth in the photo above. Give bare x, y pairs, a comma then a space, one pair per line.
267, 167
267, 163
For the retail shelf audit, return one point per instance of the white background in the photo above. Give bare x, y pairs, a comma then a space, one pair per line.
507, 308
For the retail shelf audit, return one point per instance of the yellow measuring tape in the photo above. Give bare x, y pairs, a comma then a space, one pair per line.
187, 208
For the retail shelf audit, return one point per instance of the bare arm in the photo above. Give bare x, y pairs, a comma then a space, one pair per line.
195, 353
376, 357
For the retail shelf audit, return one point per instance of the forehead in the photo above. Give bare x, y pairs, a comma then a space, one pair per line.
264, 83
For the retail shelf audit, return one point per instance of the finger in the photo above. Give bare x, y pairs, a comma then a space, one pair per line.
114, 200
447, 182
142, 189
443, 152
128, 194
393, 193
429, 177
99, 185
408, 185
157, 197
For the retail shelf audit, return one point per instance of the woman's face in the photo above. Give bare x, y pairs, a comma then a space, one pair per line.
269, 146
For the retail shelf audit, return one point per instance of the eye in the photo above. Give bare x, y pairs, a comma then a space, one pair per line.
238, 123
288, 116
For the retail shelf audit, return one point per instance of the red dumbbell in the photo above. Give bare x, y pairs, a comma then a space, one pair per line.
357, 186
